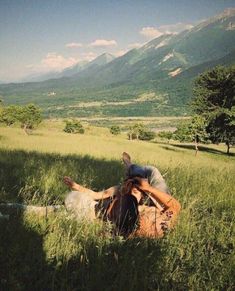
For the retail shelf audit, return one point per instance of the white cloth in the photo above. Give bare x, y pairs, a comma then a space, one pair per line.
81, 205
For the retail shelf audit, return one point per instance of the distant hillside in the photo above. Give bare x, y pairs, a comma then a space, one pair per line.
70, 71
152, 80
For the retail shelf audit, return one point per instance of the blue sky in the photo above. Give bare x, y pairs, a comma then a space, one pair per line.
44, 35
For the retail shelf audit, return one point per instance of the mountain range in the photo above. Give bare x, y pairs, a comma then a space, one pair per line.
155, 79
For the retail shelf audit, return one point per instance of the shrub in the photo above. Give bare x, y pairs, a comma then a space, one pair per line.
166, 135
147, 135
115, 130
73, 126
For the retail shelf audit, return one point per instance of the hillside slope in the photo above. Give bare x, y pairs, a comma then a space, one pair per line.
162, 71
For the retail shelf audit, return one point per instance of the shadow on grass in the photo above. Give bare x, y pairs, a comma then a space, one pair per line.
202, 149
169, 148
37, 176
135, 264
117, 265
23, 263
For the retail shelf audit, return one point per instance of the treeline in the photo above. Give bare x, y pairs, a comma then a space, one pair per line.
137, 131
213, 108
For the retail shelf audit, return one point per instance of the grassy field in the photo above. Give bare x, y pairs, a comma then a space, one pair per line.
58, 253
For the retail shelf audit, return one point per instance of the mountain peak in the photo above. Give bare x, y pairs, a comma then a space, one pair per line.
228, 12
225, 20
102, 59
106, 56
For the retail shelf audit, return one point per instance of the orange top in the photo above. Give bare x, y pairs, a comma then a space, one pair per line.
154, 223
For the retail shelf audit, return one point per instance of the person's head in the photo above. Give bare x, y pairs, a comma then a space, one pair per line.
125, 214
127, 186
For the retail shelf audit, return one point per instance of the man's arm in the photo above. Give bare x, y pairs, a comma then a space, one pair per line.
169, 202
95, 195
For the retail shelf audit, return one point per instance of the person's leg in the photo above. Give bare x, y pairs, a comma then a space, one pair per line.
155, 179
151, 173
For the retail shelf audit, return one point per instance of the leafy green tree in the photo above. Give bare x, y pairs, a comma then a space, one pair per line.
166, 135
139, 131
182, 133
29, 116
115, 130
214, 100
10, 114
135, 130
192, 131
73, 126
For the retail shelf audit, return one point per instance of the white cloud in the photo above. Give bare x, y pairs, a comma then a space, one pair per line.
52, 62
154, 32
55, 61
150, 32
89, 56
175, 28
103, 43
119, 53
135, 45
73, 45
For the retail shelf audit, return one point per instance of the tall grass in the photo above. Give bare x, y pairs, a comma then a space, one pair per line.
58, 253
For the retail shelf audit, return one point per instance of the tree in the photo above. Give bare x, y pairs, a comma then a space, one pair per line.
135, 130
192, 131
29, 116
10, 114
214, 100
73, 126
139, 131
115, 130
166, 135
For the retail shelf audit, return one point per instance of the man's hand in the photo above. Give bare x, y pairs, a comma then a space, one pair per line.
69, 182
142, 184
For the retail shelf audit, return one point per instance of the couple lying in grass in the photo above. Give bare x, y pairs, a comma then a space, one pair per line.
141, 206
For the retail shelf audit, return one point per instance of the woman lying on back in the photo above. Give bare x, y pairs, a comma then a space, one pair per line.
141, 206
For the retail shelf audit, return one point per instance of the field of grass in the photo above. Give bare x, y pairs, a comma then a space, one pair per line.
58, 253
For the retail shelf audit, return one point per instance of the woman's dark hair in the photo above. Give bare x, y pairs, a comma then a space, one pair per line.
126, 214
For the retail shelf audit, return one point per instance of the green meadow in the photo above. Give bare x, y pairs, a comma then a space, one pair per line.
56, 252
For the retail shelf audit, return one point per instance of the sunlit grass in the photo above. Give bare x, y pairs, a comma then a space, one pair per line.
63, 254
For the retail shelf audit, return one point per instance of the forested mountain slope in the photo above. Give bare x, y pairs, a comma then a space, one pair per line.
155, 79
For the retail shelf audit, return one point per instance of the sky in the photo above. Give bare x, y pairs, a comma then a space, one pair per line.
39, 36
